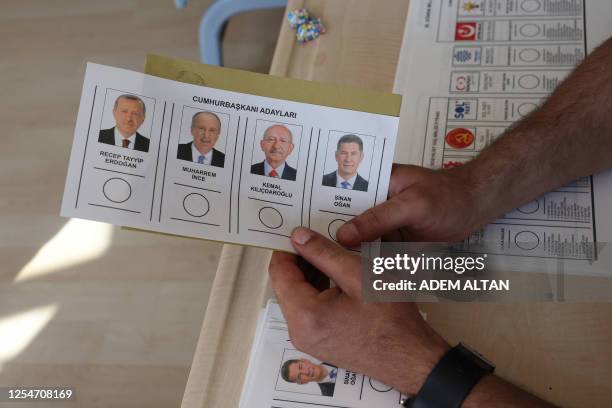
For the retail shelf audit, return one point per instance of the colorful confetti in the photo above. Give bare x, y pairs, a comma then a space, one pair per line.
307, 28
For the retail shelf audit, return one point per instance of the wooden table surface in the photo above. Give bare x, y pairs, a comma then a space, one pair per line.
560, 351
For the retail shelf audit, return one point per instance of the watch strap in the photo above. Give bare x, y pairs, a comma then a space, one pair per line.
451, 380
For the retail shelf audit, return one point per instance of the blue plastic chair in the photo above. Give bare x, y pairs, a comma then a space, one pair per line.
215, 19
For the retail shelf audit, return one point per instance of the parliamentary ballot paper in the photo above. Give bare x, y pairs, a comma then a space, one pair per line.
246, 168
495, 62
272, 370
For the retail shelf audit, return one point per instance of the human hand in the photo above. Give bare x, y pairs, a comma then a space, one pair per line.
423, 205
387, 341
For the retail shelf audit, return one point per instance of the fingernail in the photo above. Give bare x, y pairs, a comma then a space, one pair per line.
348, 232
301, 235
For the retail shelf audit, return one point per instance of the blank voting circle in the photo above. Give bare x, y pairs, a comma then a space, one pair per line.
333, 226
528, 81
117, 190
531, 6
529, 208
527, 240
196, 205
529, 55
530, 30
525, 108
378, 386
270, 217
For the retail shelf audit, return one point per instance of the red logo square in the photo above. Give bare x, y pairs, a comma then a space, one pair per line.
465, 31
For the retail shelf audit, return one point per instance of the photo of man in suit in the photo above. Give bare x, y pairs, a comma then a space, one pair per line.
304, 371
205, 130
129, 113
277, 145
349, 154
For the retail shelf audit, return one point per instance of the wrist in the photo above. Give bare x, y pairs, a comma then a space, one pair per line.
515, 169
495, 185
479, 203
480, 392
452, 379
414, 375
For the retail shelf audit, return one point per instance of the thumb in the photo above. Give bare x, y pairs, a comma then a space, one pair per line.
400, 211
342, 266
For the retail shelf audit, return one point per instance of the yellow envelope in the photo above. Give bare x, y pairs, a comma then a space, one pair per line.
273, 86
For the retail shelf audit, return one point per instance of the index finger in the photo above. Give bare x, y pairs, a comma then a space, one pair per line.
403, 210
404, 176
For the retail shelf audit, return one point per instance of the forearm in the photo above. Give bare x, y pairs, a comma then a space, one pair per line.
493, 392
568, 137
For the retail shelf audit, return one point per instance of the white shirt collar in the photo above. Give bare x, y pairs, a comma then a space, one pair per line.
195, 154
119, 139
327, 377
351, 181
279, 169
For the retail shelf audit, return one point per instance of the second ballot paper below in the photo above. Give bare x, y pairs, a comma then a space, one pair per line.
496, 62
154, 185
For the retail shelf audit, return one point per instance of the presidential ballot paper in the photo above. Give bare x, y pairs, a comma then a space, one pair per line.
173, 157
275, 363
496, 61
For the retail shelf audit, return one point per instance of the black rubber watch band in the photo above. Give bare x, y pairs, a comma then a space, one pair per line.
451, 380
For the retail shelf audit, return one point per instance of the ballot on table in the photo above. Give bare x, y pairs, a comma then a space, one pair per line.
496, 62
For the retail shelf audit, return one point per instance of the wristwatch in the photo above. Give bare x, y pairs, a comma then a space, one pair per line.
451, 380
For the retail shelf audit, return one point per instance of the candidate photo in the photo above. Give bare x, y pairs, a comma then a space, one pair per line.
303, 371
349, 155
129, 113
205, 131
277, 145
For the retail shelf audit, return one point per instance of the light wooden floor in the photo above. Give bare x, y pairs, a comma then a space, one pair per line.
114, 313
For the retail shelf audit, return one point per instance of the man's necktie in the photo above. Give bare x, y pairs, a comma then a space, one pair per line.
273, 173
125, 143
200, 159
333, 373
345, 184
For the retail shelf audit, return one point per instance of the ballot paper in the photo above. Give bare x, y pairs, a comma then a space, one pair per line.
173, 157
265, 384
495, 62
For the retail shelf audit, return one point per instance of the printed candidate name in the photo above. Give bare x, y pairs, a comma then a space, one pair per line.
120, 159
342, 201
271, 188
198, 174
